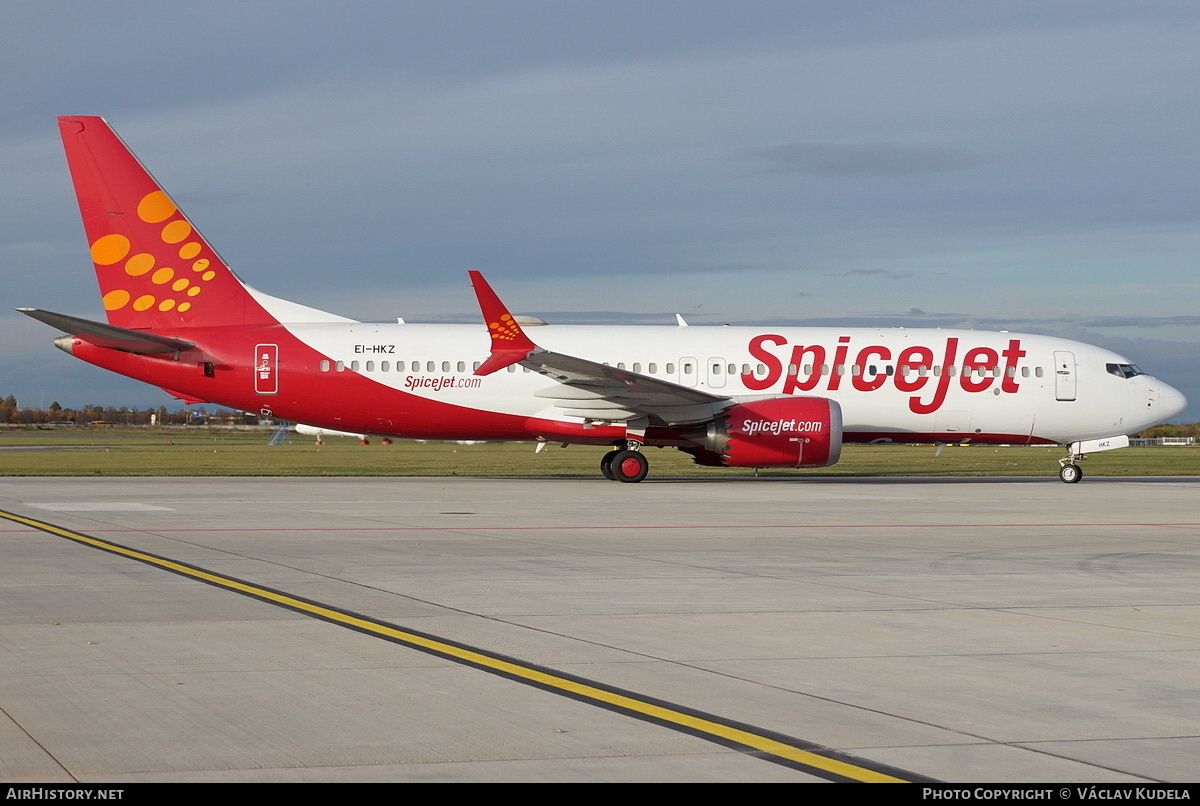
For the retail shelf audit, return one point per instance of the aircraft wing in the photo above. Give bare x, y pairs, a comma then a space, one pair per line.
588, 389
110, 336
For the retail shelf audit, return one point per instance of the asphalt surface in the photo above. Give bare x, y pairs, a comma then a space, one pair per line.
965, 630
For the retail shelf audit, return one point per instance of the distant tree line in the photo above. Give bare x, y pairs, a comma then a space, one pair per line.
1169, 430
12, 413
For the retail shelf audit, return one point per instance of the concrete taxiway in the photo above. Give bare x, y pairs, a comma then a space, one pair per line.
993, 630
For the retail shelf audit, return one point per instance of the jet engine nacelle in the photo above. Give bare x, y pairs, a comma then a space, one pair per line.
778, 432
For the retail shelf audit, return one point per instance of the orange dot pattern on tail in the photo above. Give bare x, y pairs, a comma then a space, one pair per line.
504, 330
152, 267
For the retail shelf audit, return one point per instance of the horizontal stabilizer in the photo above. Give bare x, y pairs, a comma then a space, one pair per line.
110, 336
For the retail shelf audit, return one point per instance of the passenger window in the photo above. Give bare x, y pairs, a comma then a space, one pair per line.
653, 368
384, 366
670, 369
687, 369
354, 366
324, 366
716, 369
431, 366
339, 366
370, 366
462, 366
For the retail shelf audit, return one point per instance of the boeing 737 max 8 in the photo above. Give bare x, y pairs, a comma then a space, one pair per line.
178, 318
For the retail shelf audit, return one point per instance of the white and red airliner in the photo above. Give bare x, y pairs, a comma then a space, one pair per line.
178, 318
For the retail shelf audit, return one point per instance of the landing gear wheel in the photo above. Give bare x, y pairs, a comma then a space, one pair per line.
606, 465
1070, 474
629, 466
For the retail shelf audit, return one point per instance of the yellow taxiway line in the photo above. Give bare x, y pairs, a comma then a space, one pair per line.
805, 756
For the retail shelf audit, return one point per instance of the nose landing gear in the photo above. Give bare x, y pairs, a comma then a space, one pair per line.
1069, 472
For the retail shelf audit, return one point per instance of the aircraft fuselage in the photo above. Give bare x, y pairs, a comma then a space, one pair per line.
413, 380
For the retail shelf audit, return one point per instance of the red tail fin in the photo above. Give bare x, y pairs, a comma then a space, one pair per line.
154, 268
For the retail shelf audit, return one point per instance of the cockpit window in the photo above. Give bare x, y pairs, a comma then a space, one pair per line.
1123, 370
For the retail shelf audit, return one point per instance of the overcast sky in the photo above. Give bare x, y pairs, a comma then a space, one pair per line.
1027, 166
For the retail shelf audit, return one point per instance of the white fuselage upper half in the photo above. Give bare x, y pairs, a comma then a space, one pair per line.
932, 384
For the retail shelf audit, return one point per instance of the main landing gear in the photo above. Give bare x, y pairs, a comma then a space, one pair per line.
626, 465
629, 464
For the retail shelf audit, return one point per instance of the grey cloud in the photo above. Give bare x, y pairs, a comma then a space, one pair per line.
864, 159
1140, 321
889, 275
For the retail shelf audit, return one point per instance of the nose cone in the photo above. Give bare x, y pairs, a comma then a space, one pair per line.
1170, 401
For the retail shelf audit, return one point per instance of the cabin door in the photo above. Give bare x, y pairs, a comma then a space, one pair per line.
1064, 375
